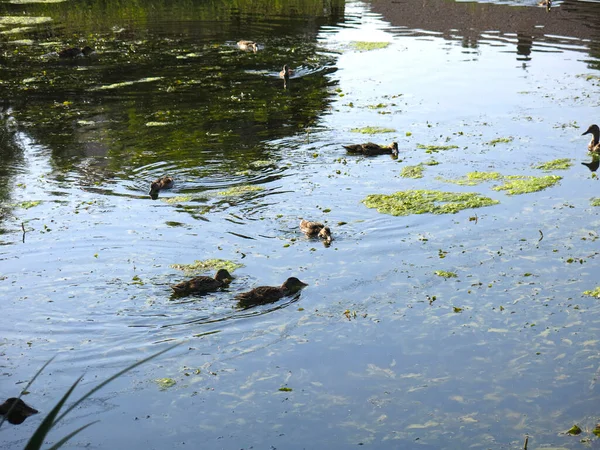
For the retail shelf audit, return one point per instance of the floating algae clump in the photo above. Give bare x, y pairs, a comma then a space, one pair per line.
594, 293
502, 140
555, 164
206, 265
364, 46
412, 172
445, 274
517, 185
473, 178
595, 201
372, 130
435, 148
239, 190
404, 203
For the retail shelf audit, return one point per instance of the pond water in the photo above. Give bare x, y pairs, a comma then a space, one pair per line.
379, 350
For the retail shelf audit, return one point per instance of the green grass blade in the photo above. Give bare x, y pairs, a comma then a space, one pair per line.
60, 443
36, 441
117, 375
26, 388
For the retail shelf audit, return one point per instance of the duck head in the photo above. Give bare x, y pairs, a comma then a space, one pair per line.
594, 130
293, 285
223, 275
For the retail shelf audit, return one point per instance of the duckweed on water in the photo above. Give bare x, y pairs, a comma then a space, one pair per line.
24, 20
206, 265
372, 130
436, 148
518, 185
412, 172
30, 204
127, 83
165, 383
555, 164
593, 293
404, 203
443, 273
431, 162
364, 46
504, 140
239, 190
595, 201
474, 178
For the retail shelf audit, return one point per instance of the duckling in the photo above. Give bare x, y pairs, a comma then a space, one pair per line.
16, 410
202, 285
313, 229
248, 46
157, 185
371, 149
268, 294
75, 52
594, 145
286, 72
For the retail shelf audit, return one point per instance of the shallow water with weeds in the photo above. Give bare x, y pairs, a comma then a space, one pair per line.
463, 330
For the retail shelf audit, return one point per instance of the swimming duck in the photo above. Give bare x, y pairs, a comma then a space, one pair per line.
313, 229
202, 285
75, 52
248, 46
286, 72
594, 145
157, 185
16, 410
370, 149
268, 294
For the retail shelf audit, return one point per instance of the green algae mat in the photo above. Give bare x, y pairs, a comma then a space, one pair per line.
405, 203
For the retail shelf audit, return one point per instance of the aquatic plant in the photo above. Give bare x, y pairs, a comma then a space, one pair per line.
473, 178
412, 171
239, 190
445, 274
404, 203
517, 185
502, 140
372, 130
365, 46
595, 201
555, 164
435, 148
206, 265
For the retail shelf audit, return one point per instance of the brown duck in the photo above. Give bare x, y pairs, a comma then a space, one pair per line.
371, 149
268, 294
158, 185
16, 410
313, 229
248, 46
202, 285
594, 145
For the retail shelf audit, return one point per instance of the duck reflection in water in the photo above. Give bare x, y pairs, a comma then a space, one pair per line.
594, 164
16, 410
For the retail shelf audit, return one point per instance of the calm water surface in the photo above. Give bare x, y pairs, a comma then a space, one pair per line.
378, 350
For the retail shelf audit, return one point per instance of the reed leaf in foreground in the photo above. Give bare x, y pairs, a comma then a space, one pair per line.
38, 437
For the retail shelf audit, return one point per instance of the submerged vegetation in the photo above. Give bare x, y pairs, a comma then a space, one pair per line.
404, 203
